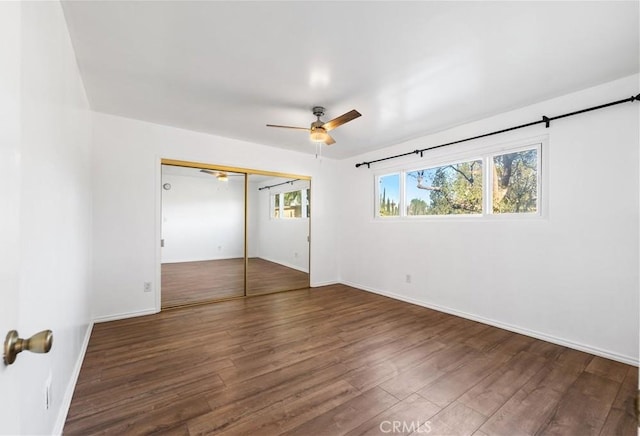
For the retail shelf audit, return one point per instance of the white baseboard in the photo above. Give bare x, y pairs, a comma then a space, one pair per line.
287, 264
71, 386
320, 284
124, 315
517, 329
204, 259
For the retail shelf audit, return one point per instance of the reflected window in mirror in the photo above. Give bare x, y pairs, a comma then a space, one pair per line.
275, 201
291, 204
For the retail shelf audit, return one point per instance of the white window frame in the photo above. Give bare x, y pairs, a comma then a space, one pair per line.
376, 202
272, 205
485, 154
489, 176
440, 165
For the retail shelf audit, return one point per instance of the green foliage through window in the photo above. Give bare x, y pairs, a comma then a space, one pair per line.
447, 190
515, 182
276, 206
496, 183
291, 204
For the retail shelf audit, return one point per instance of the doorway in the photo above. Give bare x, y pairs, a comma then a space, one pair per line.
231, 232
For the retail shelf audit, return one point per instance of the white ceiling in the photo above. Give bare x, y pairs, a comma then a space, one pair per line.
410, 68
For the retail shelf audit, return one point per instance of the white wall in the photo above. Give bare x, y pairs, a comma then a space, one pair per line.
126, 203
202, 218
571, 278
282, 241
54, 204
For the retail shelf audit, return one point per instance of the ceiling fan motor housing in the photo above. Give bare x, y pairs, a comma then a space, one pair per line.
318, 111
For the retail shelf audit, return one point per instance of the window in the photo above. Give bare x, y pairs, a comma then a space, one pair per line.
515, 182
389, 195
447, 190
499, 182
291, 204
276, 205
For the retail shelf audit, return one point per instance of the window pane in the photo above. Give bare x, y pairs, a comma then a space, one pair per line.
389, 191
308, 200
276, 205
515, 182
293, 204
447, 190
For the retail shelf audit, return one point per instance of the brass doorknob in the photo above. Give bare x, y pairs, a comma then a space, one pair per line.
39, 343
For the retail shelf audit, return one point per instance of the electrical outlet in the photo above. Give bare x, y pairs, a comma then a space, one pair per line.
407, 278
147, 286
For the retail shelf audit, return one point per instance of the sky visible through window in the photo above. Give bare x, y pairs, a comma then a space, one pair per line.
389, 195
458, 188
411, 185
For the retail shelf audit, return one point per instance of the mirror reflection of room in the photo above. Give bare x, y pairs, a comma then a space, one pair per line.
202, 235
278, 234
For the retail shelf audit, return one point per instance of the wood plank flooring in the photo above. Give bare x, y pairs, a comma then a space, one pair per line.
193, 282
334, 361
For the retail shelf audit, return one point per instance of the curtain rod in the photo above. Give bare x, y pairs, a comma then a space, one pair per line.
546, 120
278, 184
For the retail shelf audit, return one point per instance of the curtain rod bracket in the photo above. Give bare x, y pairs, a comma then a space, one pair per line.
547, 121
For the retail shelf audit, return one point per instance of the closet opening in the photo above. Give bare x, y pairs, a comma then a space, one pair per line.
231, 232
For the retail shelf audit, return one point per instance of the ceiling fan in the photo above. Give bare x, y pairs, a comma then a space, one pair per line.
318, 130
220, 175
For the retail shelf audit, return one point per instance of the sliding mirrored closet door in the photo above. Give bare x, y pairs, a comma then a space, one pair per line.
203, 234
278, 214
231, 232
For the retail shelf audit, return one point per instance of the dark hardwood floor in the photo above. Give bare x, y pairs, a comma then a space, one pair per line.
265, 277
193, 282
336, 360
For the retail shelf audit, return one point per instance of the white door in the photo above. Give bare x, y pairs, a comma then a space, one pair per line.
10, 29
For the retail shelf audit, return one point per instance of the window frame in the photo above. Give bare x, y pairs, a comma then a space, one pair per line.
442, 165
304, 204
489, 176
485, 154
376, 203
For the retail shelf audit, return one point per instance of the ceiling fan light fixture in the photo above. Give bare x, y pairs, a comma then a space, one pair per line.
223, 177
318, 130
318, 134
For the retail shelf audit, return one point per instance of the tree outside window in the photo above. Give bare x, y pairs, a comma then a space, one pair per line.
494, 184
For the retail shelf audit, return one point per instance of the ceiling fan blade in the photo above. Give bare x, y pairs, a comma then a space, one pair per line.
288, 127
329, 140
213, 173
344, 118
